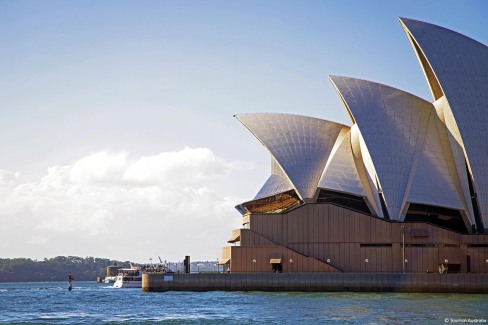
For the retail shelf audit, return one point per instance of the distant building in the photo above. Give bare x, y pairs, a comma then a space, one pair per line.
344, 198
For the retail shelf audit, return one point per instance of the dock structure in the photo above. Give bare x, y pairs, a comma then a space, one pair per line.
315, 282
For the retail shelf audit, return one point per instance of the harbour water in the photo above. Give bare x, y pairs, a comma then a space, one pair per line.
90, 302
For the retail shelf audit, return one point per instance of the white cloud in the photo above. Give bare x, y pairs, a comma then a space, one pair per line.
185, 167
109, 204
8, 178
104, 166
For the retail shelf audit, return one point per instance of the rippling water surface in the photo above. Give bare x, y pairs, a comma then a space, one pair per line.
89, 302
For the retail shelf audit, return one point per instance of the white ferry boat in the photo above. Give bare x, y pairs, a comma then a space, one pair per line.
129, 278
132, 277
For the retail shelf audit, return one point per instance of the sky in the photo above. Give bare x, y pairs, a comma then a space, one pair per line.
117, 135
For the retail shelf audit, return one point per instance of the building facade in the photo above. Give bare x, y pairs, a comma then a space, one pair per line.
404, 188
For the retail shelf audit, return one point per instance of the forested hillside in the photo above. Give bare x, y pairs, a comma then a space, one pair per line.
54, 269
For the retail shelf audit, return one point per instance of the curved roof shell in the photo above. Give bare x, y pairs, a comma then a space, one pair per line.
436, 181
456, 67
340, 173
274, 184
394, 126
345, 172
300, 145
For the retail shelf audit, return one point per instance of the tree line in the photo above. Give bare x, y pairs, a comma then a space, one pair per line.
55, 269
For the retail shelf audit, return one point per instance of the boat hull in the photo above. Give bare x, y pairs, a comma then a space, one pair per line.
131, 284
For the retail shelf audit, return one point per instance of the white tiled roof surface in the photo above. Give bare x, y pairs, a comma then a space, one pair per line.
274, 184
460, 65
340, 172
436, 181
393, 125
300, 145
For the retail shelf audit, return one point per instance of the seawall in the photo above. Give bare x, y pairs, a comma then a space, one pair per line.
367, 282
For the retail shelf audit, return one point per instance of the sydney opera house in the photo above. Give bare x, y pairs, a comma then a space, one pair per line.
403, 188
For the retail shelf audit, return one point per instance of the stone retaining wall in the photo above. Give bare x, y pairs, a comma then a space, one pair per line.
416, 282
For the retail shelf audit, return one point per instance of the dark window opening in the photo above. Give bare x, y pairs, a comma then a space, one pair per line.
452, 268
277, 267
345, 200
440, 216
375, 245
477, 245
431, 245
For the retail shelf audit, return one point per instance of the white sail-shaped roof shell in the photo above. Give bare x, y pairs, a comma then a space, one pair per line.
300, 145
456, 68
435, 181
276, 183
340, 172
343, 172
399, 135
